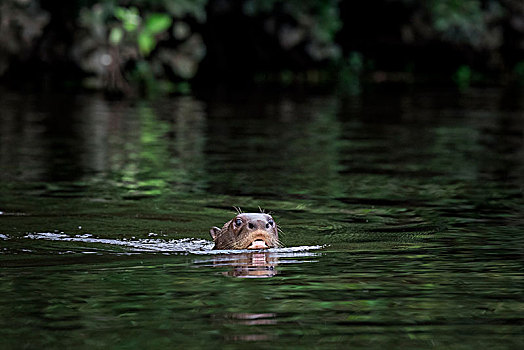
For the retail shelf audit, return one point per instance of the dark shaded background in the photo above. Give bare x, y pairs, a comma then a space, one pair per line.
49, 43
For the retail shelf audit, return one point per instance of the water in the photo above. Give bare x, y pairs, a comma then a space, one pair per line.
402, 216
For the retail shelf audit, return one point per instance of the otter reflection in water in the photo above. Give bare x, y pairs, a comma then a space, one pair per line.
247, 231
253, 231
248, 265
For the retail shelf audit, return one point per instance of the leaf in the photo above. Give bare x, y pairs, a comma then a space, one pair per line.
158, 22
130, 18
116, 35
146, 42
120, 13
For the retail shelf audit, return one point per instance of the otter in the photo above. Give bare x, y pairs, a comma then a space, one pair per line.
247, 231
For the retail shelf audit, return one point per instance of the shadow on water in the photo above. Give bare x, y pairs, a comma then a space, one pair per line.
415, 198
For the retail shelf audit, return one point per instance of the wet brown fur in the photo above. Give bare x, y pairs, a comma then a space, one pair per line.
231, 236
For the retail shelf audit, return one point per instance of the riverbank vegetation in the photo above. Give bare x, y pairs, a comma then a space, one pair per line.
160, 46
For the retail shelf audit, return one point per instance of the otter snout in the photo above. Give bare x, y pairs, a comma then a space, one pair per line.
254, 225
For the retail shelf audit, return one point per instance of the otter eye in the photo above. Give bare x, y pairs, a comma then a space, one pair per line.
270, 222
238, 222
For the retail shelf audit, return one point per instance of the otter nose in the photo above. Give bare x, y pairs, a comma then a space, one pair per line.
256, 225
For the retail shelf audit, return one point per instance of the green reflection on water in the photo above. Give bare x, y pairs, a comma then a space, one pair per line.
162, 156
419, 197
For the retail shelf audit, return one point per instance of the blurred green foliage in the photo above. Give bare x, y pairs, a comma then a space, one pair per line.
155, 24
129, 17
130, 20
350, 74
325, 12
462, 77
132, 38
159, 46
519, 72
461, 21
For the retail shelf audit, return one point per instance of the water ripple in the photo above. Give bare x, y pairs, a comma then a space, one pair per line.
184, 245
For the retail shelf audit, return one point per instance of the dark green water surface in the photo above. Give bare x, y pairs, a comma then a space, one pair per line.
402, 217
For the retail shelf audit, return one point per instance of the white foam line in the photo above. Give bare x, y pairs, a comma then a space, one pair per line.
152, 245
184, 245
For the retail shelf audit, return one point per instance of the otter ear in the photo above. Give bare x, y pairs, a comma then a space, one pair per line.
214, 232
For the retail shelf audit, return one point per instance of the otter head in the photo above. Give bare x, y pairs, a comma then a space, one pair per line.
247, 231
